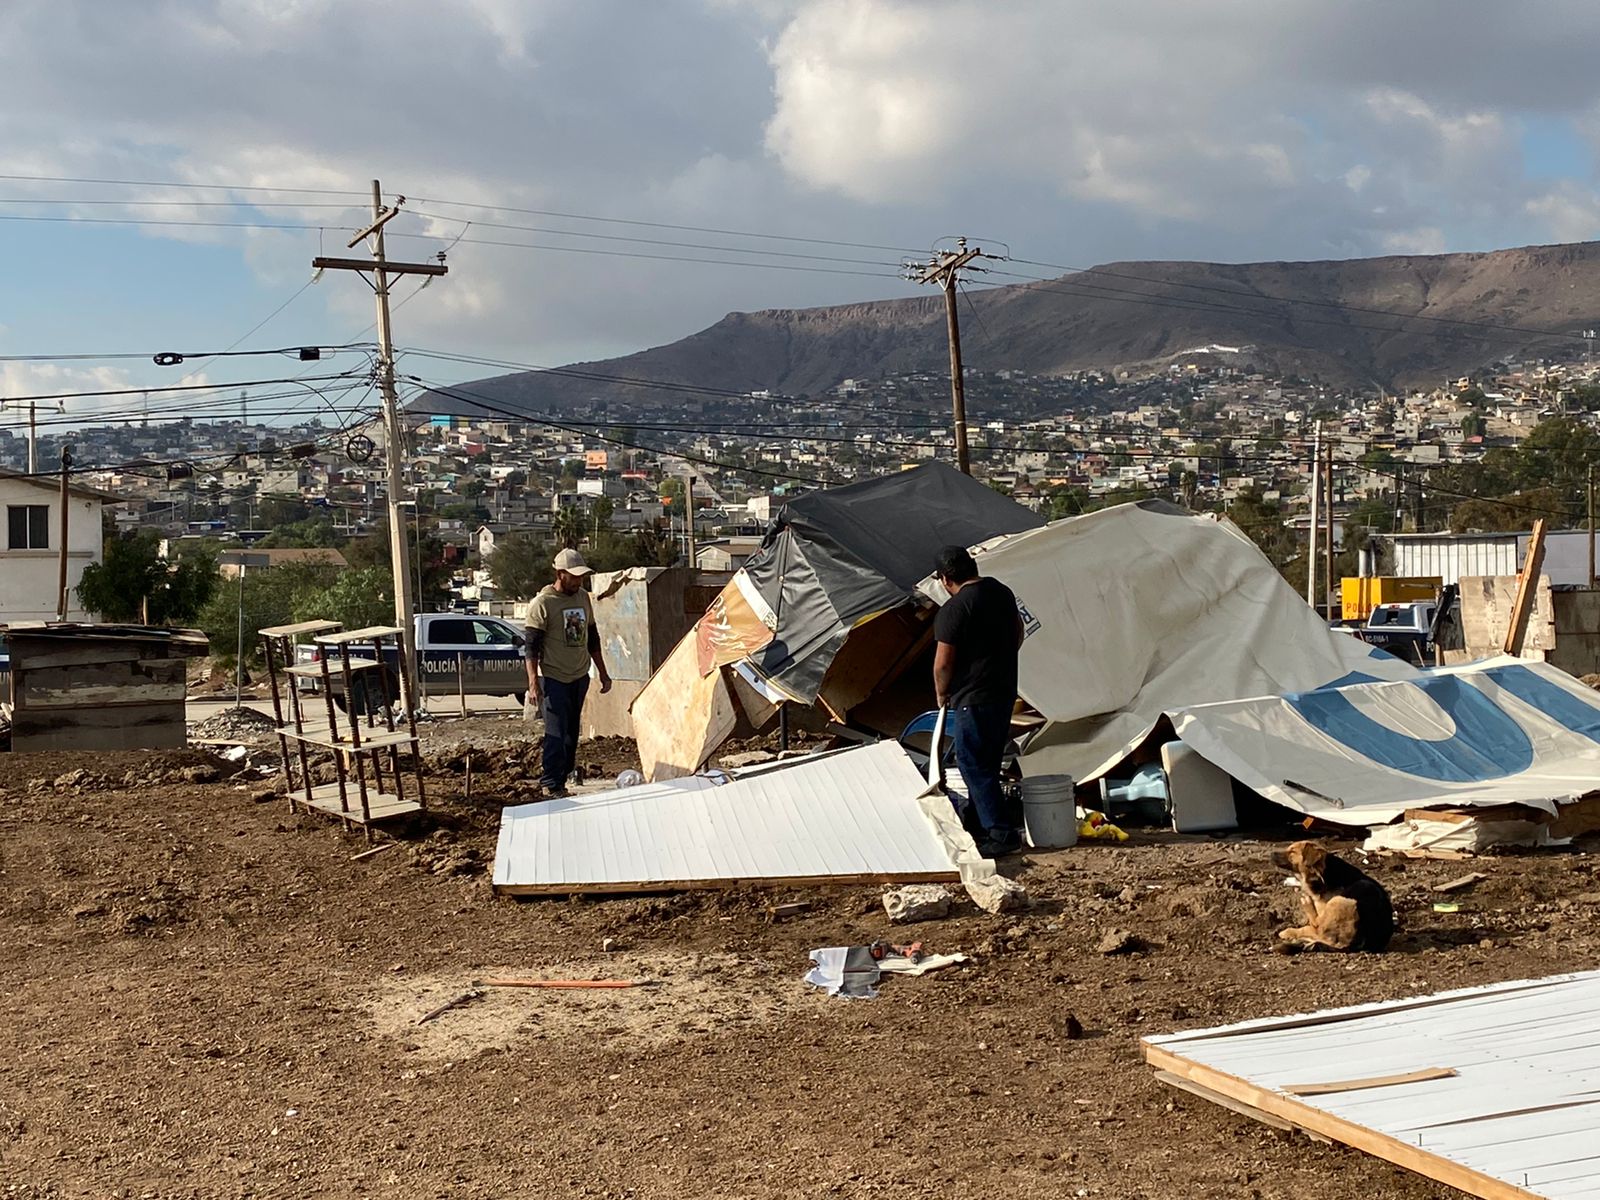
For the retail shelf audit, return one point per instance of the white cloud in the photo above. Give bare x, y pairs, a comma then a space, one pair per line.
1077, 132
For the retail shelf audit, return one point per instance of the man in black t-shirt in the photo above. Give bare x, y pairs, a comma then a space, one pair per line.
979, 633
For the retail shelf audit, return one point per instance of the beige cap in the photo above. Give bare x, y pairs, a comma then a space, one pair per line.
571, 562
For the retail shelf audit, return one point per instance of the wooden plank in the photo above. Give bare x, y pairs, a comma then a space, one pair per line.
381, 806
80, 655
375, 739
1460, 881
693, 885
359, 635
302, 627
100, 685
1527, 580
1305, 1116
1374, 1081
1227, 1102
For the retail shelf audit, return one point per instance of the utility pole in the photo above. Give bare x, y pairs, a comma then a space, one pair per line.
381, 269
61, 557
943, 270
1591, 525
688, 522
33, 437
1331, 588
1316, 497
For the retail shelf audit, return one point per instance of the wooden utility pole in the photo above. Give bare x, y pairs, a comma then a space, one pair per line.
1316, 500
1332, 588
1591, 523
61, 556
33, 437
399, 553
944, 271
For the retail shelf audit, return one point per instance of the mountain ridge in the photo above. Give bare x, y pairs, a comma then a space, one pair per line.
1386, 322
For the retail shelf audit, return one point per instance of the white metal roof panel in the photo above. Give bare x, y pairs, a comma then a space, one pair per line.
1523, 1107
852, 814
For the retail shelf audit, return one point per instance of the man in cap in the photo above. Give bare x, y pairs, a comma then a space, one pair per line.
978, 633
562, 641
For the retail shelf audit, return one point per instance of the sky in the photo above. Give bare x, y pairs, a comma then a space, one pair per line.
580, 162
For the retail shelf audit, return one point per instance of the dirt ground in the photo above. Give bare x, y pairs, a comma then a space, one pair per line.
207, 996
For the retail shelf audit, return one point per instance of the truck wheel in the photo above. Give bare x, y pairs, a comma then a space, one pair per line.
338, 701
521, 698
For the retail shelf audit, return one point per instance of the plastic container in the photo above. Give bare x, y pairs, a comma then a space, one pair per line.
1050, 811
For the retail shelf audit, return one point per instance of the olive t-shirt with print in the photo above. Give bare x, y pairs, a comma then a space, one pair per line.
565, 622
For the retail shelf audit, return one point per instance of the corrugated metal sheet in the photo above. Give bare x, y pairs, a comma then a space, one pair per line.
1449, 558
1523, 1107
848, 815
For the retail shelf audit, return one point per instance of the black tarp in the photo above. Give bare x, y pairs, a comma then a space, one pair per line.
835, 557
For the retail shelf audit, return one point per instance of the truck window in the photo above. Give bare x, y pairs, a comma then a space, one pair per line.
491, 634
452, 631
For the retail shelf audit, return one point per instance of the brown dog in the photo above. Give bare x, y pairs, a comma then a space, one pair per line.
1345, 909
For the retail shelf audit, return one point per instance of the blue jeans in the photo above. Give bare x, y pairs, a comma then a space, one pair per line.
980, 735
562, 707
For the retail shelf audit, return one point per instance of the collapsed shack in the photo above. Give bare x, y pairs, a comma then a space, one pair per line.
78, 686
826, 616
1153, 636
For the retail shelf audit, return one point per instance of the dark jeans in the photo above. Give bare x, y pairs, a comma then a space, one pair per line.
980, 735
563, 705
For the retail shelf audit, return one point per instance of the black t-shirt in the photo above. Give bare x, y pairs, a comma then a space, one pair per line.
980, 621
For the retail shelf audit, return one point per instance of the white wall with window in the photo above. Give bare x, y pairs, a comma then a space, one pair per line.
30, 547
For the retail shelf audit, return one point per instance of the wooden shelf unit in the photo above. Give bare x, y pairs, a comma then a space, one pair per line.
361, 742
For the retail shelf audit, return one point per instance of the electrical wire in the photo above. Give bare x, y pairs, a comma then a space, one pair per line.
169, 183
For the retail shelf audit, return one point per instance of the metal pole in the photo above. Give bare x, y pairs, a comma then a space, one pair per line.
958, 392
461, 680
238, 666
66, 504
399, 552
1591, 514
1316, 494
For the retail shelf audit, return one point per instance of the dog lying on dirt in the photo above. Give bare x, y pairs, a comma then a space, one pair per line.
1345, 909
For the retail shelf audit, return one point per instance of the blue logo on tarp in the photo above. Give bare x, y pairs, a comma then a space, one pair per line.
1488, 742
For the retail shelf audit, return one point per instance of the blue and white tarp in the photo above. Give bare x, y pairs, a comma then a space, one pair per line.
1501, 731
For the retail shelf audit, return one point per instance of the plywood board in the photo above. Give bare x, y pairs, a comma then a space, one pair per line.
1494, 1090
852, 817
681, 716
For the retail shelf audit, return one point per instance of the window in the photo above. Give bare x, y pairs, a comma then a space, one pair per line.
453, 631
490, 634
28, 526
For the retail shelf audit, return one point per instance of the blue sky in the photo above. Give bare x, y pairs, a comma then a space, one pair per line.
1074, 132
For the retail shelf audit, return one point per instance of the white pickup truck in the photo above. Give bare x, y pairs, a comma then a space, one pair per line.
483, 655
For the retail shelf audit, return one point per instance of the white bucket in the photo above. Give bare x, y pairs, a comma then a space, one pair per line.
1049, 811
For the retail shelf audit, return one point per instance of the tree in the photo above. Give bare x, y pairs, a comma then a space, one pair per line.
520, 565
373, 551
132, 583
567, 528
313, 532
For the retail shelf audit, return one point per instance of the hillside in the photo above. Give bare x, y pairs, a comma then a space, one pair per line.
1388, 322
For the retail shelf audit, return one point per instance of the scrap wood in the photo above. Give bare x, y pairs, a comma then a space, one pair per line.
572, 983
1460, 881
466, 997
374, 851
1375, 1081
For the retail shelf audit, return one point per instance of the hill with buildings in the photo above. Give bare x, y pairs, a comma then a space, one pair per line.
1385, 323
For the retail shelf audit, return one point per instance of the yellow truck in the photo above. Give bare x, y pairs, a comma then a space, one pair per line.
1358, 596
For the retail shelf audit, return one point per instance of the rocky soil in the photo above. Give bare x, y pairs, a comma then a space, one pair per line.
209, 996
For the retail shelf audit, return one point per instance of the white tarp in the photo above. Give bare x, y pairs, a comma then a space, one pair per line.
1498, 732
1143, 608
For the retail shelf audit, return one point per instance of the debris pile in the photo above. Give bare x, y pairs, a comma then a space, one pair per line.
233, 725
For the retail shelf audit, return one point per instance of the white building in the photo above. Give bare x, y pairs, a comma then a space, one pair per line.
30, 546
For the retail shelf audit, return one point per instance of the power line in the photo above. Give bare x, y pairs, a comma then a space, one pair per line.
168, 183
163, 222
715, 262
